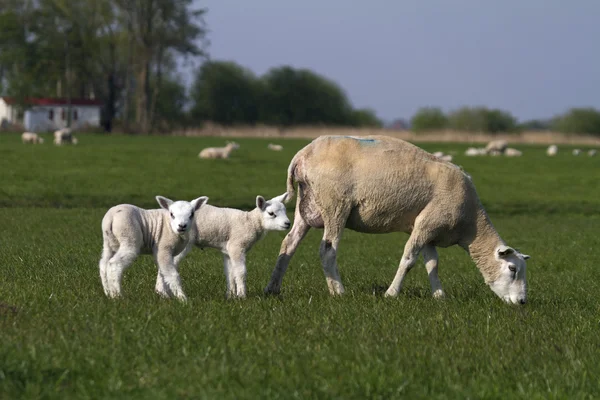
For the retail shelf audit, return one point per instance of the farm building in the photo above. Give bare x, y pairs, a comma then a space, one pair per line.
49, 114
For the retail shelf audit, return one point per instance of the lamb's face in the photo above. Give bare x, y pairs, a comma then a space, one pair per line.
273, 213
511, 285
181, 213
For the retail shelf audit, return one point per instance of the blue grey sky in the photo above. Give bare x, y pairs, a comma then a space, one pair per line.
534, 58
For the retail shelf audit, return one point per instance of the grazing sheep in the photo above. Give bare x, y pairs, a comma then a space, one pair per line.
64, 136
128, 231
496, 147
438, 154
446, 157
473, 151
380, 184
234, 232
552, 150
592, 152
275, 147
510, 152
576, 152
30, 137
219, 152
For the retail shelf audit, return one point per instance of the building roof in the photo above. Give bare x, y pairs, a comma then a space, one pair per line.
47, 101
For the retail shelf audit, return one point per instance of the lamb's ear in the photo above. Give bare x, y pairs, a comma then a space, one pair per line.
261, 202
199, 202
526, 257
505, 250
164, 202
282, 198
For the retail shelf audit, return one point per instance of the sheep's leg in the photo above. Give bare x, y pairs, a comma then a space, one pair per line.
161, 288
231, 289
237, 272
168, 270
328, 253
430, 256
288, 248
118, 263
107, 253
409, 258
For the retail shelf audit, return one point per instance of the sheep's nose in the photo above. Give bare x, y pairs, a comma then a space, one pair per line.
182, 226
287, 224
522, 301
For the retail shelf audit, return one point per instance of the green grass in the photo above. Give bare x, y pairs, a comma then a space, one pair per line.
61, 338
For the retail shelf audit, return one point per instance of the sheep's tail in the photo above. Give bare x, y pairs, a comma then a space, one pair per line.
291, 176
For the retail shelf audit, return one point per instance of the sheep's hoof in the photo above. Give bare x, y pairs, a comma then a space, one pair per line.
391, 293
439, 294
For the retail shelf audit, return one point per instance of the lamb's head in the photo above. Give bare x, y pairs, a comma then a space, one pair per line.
233, 145
181, 213
273, 213
511, 284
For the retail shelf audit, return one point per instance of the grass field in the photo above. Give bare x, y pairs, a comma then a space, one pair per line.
61, 338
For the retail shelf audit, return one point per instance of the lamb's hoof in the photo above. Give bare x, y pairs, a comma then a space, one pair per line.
391, 293
163, 294
439, 294
182, 298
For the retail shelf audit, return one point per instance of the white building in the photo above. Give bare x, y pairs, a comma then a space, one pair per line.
50, 114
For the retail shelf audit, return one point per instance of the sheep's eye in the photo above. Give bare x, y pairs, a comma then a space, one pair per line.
513, 268
192, 216
172, 216
271, 213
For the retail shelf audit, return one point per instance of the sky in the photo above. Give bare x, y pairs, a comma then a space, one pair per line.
533, 58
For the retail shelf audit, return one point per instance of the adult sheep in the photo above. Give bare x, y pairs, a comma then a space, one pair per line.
31, 137
379, 184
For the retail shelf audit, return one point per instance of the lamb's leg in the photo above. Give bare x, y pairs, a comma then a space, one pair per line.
107, 253
117, 265
161, 288
430, 256
237, 271
168, 270
231, 290
288, 248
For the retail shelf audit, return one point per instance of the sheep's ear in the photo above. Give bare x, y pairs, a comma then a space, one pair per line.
282, 198
199, 202
261, 202
164, 202
526, 257
504, 251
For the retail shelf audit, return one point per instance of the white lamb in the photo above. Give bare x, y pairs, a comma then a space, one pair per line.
510, 152
592, 152
576, 152
33, 138
128, 231
234, 232
552, 150
473, 151
219, 152
275, 147
380, 184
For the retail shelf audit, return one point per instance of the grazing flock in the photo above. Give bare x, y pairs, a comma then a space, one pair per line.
61, 137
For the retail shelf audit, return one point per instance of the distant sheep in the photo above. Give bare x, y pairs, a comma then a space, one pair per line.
510, 152
442, 156
234, 232
219, 152
576, 152
128, 231
496, 146
275, 147
30, 137
592, 152
380, 184
473, 151
552, 150
64, 136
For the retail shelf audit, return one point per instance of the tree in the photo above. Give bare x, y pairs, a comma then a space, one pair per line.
429, 119
578, 120
481, 119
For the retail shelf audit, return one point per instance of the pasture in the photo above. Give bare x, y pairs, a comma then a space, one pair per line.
62, 338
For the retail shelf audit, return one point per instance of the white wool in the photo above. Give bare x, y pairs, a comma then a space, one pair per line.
275, 147
473, 151
129, 231
592, 152
510, 152
219, 152
64, 136
576, 152
234, 232
552, 150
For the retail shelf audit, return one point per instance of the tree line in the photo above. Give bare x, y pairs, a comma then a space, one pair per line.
482, 119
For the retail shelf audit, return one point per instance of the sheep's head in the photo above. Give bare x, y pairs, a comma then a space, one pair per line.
233, 145
511, 284
181, 213
274, 217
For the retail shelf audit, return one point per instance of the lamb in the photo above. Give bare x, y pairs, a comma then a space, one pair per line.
275, 147
31, 137
380, 184
576, 152
234, 232
219, 152
510, 152
128, 231
473, 151
64, 136
552, 150
592, 152
496, 147
442, 156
